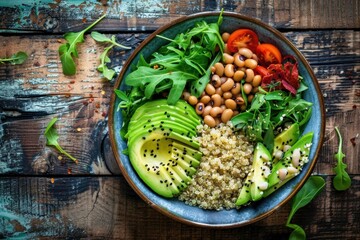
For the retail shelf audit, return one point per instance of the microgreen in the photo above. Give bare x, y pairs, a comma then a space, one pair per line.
104, 59
341, 181
52, 137
68, 51
313, 186
17, 58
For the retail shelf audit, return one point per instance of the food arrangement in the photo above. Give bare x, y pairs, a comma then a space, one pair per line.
215, 119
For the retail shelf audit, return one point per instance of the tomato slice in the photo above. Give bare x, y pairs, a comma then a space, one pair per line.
261, 70
268, 54
242, 38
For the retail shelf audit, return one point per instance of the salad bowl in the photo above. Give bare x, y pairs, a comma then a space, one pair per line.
176, 209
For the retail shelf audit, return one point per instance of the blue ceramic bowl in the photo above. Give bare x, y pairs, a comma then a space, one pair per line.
178, 210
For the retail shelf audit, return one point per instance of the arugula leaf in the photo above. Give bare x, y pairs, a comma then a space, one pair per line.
17, 58
152, 78
52, 137
341, 181
68, 51
104, 59
272, 109
313, 186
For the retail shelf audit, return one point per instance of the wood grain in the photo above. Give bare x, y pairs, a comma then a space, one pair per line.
63, 16
106, 208
36, 91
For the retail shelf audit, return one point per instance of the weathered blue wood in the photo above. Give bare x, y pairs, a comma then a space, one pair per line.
147, 15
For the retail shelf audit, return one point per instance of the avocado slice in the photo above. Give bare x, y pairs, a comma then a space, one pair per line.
261, 166
291, 164
284, 140
256, 181
164, 153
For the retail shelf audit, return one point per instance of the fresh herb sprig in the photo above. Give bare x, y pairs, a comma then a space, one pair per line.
313, 186
17, 58
68, 51
341, 181
52, 137
104, 59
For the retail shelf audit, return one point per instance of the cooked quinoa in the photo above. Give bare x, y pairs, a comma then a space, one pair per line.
226, 161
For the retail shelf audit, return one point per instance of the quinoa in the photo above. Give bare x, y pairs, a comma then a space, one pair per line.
226, 161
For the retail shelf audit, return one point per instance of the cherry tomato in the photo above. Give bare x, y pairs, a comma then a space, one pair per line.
242, 38
268, 54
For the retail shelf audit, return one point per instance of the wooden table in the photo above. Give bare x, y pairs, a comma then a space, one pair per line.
44, 197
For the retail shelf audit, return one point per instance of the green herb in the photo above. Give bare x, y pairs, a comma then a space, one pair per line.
17, 58
341, 181
52, 137
183, 63
68, 50
269, 111
104, 59
313, 186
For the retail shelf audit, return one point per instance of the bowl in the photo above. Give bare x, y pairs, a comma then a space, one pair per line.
177, 209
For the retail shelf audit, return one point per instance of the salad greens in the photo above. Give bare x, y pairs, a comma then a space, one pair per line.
341, 181
68, 51
17, 58
313, 186
52, 137
270, 110
104, 59
183, 62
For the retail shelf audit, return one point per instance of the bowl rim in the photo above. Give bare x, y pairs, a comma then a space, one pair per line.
120, 78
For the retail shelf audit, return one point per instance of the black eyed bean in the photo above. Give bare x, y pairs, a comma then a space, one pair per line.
236, 88
209, 89
239, 62
228, 85
238, 75
226, 115
239, 100
250, 98
229, 70
192, 100
186, 95
228, 59
216, 100
256, 81
225, 36
216, 81
205, 99
219, 69
216, 111
227, 95
206, 111
199, 108
251, 63
249, 75
247, 88
210, 121
230, 103
245, 52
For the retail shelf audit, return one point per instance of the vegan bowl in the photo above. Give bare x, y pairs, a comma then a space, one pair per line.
203, 125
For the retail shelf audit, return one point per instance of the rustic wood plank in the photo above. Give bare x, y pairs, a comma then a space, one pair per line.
63, 16
106, 207
32, 93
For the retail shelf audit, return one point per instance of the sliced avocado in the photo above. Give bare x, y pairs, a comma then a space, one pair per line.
291, 164
163, 157
245, 195
261, 166
286, 138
